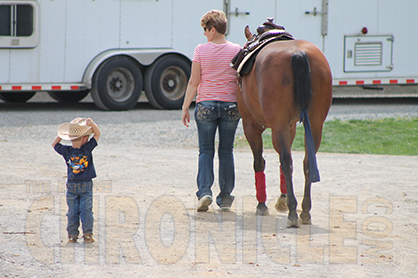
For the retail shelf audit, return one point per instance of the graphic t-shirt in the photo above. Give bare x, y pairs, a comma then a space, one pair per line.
80, 165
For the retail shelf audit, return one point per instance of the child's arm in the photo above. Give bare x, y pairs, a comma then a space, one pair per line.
95, 128
56, 141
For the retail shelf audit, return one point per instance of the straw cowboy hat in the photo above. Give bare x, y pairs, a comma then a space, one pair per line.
75, 129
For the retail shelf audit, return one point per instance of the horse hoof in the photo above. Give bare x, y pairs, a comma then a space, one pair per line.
262, 209
305, 218
305, 222
292, 223
281, 204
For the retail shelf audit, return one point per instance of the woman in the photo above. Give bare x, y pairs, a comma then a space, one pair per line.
216, 108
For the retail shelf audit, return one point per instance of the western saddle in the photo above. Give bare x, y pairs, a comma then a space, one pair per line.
266, 33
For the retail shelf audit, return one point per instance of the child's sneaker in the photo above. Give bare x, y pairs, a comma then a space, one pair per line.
88, 238
204, 203
72, 239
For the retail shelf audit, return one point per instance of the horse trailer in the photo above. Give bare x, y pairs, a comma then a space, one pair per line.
116, 49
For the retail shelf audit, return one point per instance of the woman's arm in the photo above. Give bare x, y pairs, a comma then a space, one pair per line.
191, 90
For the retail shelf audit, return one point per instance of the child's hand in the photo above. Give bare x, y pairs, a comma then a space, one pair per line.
95, 128
56, 141
89, 122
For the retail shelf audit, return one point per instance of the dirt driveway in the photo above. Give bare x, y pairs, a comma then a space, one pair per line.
364, 211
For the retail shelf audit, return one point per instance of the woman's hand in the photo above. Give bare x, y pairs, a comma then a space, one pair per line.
185, 117
192, 86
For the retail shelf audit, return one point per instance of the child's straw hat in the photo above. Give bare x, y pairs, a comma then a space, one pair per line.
75, 129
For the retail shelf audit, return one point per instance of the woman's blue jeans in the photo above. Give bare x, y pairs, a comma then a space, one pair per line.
210, 116
80, 206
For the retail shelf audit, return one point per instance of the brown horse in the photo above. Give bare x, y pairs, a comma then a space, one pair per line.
290, 81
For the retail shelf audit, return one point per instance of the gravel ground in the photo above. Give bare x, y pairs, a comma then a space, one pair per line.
364, 208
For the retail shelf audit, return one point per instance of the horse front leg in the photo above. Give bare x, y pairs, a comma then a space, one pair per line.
253, 132
281, 204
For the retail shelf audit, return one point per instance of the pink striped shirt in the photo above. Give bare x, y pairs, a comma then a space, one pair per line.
217, 78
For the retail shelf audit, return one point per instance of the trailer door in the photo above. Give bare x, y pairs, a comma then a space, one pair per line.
241, 13
304, 19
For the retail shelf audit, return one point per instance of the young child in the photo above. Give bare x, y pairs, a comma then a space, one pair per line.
80, 172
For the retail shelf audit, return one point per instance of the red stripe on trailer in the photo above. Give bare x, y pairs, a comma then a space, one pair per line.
36, 87
16, 87
55, 87
0, 88
384, 81
75, 87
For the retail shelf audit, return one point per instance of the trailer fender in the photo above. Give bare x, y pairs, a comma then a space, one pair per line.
145, 57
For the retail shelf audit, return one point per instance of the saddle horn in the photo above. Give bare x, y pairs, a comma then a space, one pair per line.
269, 25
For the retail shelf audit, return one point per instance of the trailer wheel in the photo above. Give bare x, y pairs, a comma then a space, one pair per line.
166, 82
117, 84
64, 96
16, 97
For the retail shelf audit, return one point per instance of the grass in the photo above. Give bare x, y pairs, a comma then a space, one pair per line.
387, 136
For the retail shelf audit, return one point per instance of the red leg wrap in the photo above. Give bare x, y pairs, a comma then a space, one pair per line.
283, 187
260, 186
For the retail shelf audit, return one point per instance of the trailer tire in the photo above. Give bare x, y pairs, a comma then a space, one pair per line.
166, 82
117, 84
16, 97
68, 96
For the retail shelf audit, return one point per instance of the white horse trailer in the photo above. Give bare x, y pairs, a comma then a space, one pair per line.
115, 49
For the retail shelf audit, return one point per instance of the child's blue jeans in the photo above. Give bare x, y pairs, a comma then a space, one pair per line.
80, 206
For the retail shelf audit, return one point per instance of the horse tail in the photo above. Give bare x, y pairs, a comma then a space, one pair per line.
303, 95
302, 90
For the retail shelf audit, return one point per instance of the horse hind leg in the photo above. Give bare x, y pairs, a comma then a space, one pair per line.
260, 184
253, 133
305, 216
292, 218
260, 178
281, 204
282, 144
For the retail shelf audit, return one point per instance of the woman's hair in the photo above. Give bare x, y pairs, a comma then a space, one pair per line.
216, 19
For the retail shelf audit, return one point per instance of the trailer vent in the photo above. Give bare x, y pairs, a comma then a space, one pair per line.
368, 54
